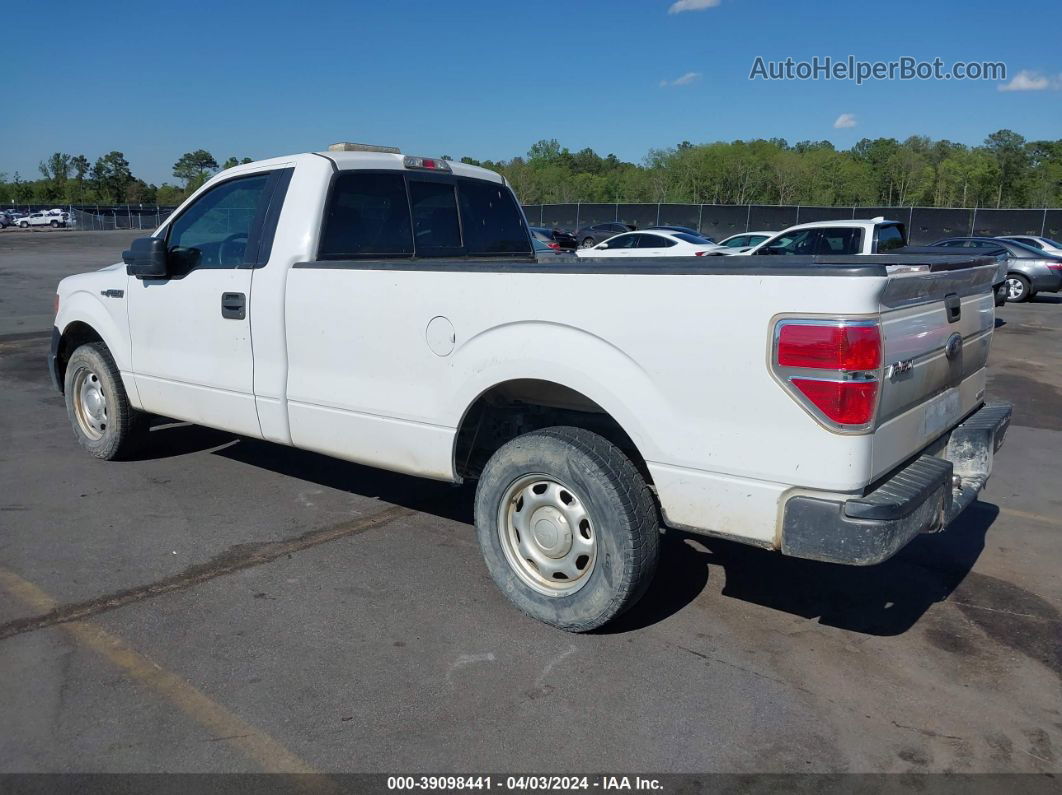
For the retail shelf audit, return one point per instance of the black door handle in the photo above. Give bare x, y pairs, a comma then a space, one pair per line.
234, 306
953, 306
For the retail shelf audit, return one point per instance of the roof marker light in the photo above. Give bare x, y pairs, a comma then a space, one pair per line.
346, 146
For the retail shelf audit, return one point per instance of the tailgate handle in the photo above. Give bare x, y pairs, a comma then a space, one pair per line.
954, 307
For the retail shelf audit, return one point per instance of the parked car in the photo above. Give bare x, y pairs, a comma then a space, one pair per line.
684, 229
1029, 270
825, 238
42, 219
1045, 244
544, 251
5, 220
592, 235
588, 400
650, 244
743, 241
555, 238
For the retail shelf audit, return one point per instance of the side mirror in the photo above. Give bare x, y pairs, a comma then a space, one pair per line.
601, 245
146, 258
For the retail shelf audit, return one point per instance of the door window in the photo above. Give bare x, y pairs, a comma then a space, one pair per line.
840, 241
801, 242
654, 241
213, 231
624, 241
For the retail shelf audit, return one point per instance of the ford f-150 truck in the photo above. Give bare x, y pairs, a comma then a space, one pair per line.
388, 310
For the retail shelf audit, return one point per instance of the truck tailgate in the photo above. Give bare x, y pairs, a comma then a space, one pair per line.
937, 321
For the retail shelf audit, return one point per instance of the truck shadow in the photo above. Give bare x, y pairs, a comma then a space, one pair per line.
887, 599
440, 499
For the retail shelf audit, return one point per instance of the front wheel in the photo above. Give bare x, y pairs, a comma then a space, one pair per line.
98, 408
567, 527
54, 224
24, 225
1018, 288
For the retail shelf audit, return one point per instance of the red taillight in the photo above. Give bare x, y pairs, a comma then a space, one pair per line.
836, 347
832, 368
555, 246
843, 402
1055, 267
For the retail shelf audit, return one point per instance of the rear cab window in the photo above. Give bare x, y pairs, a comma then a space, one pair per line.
394, 214
889, 238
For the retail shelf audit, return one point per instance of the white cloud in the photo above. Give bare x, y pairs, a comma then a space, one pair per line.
844, 121
691, 5
683, 80
1028, 80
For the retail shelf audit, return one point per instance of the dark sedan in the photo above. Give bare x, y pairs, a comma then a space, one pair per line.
590, 236
556, 239
1029, 270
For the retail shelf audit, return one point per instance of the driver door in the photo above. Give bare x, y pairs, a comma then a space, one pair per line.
190, 332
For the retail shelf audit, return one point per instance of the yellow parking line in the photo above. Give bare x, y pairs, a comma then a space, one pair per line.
270, 755
1032, 516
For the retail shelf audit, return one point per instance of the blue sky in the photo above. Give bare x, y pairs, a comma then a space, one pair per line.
489, 78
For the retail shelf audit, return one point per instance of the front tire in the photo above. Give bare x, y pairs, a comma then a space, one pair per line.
54, 224
98, 408
567, 527
1018, 288
24, 225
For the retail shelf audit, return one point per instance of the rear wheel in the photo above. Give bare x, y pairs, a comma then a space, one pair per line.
567, 527
1018, 289
104, 423
588, 242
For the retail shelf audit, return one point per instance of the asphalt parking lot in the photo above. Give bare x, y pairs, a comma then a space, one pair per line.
224, 604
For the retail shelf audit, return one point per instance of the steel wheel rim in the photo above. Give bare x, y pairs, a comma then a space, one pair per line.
1015, 289
547, 535
90, 403
588, 243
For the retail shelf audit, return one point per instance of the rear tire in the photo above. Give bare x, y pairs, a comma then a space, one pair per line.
567, 527
1018, 288
588, 242
98, 408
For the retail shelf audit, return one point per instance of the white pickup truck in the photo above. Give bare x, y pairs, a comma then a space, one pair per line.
388, 310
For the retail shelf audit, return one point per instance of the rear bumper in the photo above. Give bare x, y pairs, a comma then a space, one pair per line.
923, 497
1045, 280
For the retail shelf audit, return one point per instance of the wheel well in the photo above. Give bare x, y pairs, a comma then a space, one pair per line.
513, 408
74, 336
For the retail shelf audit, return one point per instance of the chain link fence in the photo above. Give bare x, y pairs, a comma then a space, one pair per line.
924, 224
118, 218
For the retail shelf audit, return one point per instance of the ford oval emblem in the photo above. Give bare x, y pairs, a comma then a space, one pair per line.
953, 347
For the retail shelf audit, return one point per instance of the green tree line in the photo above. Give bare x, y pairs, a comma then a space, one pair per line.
74, 179
1005, 171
